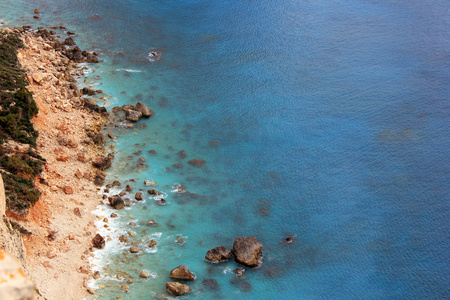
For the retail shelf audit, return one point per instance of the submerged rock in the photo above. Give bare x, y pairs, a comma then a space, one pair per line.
247, 251
182, 272
218, 254
211, 284
176, 288
98, 241
134, 250
197, 162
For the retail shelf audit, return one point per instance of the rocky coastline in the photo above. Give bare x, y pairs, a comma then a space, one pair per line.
58, 225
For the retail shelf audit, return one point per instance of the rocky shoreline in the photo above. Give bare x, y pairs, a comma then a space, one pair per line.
60, 225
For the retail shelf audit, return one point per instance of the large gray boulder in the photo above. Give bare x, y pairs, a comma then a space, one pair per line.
247, 251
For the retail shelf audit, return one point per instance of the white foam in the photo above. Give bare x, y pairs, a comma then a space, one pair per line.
130, 70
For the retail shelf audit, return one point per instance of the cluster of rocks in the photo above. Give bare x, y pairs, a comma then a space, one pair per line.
134, 113
246, 250
181, 272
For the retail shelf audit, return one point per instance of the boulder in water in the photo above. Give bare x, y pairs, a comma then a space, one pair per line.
176, 288
218, 254
146, 112
247, 251
116, 202
182, 272
133, 115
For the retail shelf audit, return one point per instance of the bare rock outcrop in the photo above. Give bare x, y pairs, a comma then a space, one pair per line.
247, 251
218, 254
182, 272
141, 107
176, 288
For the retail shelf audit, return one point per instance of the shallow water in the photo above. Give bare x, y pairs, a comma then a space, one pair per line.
330, 123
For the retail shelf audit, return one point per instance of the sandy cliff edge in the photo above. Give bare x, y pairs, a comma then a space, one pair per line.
61, 222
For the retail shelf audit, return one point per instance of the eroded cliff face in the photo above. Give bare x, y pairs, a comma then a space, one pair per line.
10, 240
14, 276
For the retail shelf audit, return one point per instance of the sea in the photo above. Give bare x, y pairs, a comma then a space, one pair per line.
326, 122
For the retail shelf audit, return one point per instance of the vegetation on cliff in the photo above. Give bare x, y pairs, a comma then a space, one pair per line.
17, 108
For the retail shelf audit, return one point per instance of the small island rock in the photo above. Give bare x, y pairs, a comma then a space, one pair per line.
247, 251
176, 288
218, 254
182, 272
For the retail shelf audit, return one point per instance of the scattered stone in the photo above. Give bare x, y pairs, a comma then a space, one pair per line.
115, 183
68, 190
96, 275
161, 201
239, 272
128, 188
69, 42
153, 192
37, 11
116, 202
62, 157
98, 241
78, 174
103, 162
132, 224
113, 215
176, 288
138, 196
150, 183
197, 162
110, 135
152, 223
51, 254
87, 91
218, 254
289, 239
247, 251
123, 239
77, 212
90, 291
134, 250
67, 141
143, 275
182, 272
83, 157
211, 284
152, 243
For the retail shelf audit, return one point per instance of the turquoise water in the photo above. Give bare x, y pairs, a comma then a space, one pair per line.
330, 121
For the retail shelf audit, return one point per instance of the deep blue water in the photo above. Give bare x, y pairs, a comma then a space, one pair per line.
330, 121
